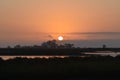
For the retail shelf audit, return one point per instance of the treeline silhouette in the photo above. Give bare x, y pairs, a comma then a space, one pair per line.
47, 44
52, 48
94, 66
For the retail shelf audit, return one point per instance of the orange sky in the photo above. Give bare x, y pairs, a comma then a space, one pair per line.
27, 19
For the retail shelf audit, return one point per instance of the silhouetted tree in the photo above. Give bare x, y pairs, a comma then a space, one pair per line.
50, 44
17, 46
104, 46
9, 47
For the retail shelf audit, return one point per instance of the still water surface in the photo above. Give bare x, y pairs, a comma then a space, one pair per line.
47, 57
113, 54
31, 57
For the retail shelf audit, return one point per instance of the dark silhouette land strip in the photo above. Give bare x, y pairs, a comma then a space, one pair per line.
53, 51
52, 48
73, 67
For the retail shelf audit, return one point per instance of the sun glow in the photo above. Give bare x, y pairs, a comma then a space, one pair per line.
60, 38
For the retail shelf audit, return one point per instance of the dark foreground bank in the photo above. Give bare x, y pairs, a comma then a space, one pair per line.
52, 51
72, 68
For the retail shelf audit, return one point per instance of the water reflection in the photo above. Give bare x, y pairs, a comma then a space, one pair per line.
113, 54
31, 57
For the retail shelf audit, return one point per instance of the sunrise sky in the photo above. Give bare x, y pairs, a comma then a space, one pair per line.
34, 20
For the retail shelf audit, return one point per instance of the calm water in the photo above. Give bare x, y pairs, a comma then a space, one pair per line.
31, 57
113, 54
47, 57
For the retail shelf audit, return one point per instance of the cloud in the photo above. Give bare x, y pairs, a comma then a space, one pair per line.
99, 33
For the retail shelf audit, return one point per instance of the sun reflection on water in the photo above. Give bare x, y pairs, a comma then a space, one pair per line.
31, 57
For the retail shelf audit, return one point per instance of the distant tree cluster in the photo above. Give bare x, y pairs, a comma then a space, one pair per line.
47, 44
53, 44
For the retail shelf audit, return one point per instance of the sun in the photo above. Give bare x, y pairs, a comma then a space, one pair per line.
60, 38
